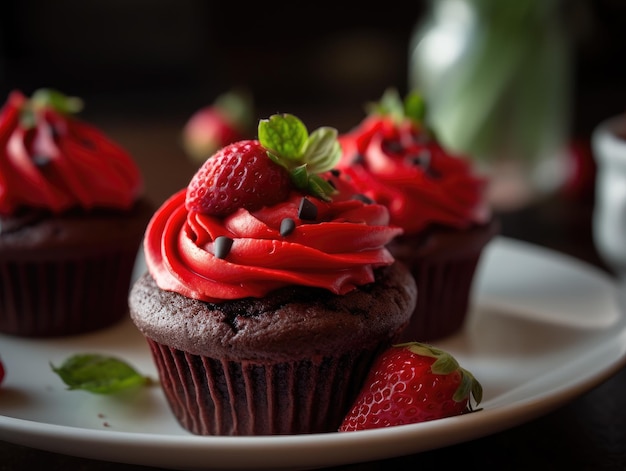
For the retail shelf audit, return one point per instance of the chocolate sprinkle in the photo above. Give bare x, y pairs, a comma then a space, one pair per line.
393, 147
41, 160
361, 197
307, 210
222, 246
422, 159
287, 226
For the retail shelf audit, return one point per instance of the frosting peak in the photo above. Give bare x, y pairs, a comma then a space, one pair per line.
396, 162
51, 160
338, 251
305, 230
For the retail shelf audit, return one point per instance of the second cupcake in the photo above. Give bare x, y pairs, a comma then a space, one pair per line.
72, 218
436, 197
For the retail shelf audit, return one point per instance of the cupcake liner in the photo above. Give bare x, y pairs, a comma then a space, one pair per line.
65, 294
220, 397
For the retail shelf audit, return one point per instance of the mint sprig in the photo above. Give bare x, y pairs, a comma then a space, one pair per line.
304, 155
48, 98
99, 374
412, 107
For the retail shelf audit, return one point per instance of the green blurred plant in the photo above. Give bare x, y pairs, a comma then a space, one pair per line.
496, 75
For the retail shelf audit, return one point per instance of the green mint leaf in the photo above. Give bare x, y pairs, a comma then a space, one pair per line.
415, 107
27, 118
277, 160
98, 374
389, 105
322, 150
46, 97
284, 134
300, 177
320, 187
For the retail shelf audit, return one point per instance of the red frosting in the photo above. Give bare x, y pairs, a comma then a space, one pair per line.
338, 251
60, 163
400, 166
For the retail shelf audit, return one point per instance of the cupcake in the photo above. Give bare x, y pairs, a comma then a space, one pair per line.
72, 219
438, 199
269, 289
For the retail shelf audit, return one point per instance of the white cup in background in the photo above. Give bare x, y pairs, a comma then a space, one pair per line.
609, 214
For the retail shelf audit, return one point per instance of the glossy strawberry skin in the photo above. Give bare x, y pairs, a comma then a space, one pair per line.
240, 175
402, 389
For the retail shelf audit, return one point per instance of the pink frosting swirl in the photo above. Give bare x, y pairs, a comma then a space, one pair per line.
401, 167
338, 250
59, 163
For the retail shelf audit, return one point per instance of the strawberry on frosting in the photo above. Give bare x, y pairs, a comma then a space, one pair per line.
394, 159
314, 234
50, 160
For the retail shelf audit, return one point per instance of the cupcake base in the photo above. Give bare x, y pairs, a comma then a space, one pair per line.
291, 362
69, 274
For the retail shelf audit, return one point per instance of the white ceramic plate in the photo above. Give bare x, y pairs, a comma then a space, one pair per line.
543, 329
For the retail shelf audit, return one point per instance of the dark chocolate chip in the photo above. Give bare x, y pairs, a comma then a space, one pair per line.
287, 226
222, 246
393, 147
361, 197
307, 210
41, 160
421, 159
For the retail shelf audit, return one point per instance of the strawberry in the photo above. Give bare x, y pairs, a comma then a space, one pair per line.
409, 383
239, 175
252, 173
228, 119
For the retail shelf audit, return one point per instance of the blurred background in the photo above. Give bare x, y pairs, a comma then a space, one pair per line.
144, 63
173, 55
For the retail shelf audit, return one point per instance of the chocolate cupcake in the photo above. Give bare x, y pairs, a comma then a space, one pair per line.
437, 198
72, 218
269, 293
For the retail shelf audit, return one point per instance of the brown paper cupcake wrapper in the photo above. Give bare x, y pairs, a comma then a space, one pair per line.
218, 397
444, 290
65, 296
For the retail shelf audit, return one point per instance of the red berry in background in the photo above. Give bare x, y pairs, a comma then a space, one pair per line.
411, 383
240, 175
228, 119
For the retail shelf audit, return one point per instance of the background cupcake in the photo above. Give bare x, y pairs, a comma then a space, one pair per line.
436, 197
269, 292
71, 219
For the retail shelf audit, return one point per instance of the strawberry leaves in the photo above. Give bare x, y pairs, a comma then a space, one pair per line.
445, 364
305, 156
47, 98
391, 104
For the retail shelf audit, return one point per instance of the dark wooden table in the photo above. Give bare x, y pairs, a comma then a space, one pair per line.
588, 433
